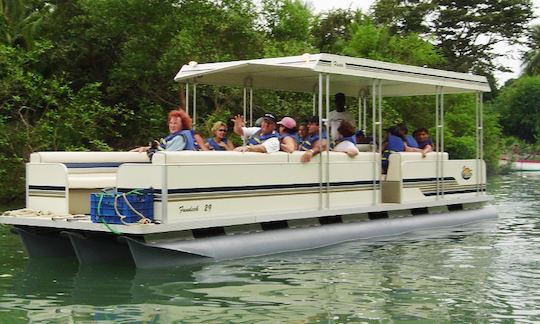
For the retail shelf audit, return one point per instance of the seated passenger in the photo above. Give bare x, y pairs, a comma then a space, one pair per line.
424, 141
219, 142
199, 144
393, 144
313, 145
262, 139
410, 142
288, 136
302, 133
180, 137
346, 139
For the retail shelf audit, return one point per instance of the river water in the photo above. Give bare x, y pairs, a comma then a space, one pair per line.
486, 272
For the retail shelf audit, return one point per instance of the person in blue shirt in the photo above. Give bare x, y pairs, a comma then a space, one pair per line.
394, 143
410, 143
425, 144
180, 136
219, 141
313, 145
288, 137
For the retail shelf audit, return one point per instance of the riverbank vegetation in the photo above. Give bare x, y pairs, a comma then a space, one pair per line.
97, 74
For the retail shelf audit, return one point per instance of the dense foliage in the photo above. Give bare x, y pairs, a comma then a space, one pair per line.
97, 74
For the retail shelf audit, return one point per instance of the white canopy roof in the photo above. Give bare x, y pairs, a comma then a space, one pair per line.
347, 74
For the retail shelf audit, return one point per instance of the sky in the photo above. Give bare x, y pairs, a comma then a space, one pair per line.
512, 61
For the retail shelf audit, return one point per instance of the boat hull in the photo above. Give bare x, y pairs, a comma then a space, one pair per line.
179, 252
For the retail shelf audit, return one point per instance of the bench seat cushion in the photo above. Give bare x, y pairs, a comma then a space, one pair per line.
88, 157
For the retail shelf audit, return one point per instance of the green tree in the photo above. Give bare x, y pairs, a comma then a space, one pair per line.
331, 29
376, 42
19, 22
531, 58
287, 26
464, 31
519, 108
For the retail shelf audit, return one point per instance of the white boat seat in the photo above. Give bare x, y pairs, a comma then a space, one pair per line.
92, 180
88, 157
189, 157
396, 161
336, 157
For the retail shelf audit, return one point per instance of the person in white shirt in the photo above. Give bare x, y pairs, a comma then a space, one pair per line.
262, 139
335, 117
346, 141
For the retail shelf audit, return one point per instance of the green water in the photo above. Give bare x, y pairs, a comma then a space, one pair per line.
487, 272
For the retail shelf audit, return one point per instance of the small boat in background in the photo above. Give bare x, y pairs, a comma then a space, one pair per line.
522, 165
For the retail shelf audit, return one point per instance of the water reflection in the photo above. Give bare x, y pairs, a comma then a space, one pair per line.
478, 273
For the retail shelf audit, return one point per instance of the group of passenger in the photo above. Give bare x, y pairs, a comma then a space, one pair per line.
398, 140
270, 135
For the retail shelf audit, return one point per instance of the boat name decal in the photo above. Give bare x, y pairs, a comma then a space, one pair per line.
191, 209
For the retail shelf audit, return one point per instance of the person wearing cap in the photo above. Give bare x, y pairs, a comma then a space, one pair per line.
262, 139
288, 135
346, 139
313, 145
339, 114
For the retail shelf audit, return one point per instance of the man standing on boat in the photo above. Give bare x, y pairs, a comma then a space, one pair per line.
262, 139
335, 117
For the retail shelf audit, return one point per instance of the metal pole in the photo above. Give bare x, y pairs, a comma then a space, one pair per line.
327, 141
442, 142
187, 98
374, 131
380, 138
437, 143
314, 103
364, 127
245, 104
250, 107
359, 110
481, 103
194, 105
320, 137
477, 143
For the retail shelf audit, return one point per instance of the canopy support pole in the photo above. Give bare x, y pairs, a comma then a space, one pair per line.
194, 105
441, 166
327, 127
250, 106
320, 136
380, 122
360, 108
187, 98
374, 115
481, 103
364, 127
244, 114
437, 142
479, 143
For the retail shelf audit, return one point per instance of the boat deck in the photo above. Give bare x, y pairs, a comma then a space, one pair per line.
394, 210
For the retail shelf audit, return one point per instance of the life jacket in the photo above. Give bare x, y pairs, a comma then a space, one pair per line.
214, 145
259, 138
411, 142
294, 136
395, 144
188, 137
307, 144
423, 144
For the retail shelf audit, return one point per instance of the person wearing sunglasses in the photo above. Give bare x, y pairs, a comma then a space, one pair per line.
219, 141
